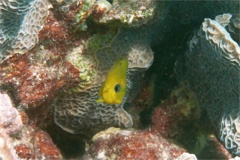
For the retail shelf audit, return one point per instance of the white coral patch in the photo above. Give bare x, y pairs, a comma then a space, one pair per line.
101, 155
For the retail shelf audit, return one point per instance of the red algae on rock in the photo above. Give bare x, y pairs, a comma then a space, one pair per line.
45, 147
179, 118
54, 30
177, 109
24, 151
35, 79
39, 74
39, 145
127, 144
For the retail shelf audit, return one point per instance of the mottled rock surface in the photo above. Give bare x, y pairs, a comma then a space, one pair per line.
21, 139
127, 144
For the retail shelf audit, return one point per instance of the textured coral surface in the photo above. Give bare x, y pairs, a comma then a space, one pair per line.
55, 55
20, 23
212, 69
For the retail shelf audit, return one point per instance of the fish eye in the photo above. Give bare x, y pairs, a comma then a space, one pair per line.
117, 88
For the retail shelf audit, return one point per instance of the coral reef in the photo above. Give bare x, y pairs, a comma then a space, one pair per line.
179, 107
56, 54
20, 24
100, 8
20, 139
36, 77
47, 67
211, 69
85, 10
128, 144
175, 121
130, 13
84, 114
180, 119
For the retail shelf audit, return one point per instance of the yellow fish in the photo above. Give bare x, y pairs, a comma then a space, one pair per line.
114, 87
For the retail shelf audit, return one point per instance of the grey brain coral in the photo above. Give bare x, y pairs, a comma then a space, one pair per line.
212, 70
20, 22
79, 112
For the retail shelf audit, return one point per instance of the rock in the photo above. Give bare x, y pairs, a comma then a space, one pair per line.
20, 139
130, 144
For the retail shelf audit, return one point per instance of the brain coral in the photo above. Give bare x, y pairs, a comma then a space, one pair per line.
212, 71
78, 112
20, 22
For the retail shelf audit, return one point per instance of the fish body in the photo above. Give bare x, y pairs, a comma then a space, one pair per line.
114, 88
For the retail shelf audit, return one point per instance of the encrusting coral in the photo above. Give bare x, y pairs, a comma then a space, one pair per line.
20, 24
92, 67
56, 54
84, 114
212, 70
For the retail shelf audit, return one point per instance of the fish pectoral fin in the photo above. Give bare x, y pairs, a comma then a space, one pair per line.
124, 118
100, 100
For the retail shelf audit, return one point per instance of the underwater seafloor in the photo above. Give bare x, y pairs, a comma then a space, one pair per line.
182, 90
